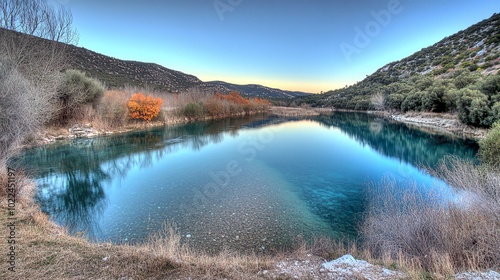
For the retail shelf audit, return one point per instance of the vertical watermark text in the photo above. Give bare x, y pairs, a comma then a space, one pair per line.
11, 219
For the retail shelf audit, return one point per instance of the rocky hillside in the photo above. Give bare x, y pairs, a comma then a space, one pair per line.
468, 56
477, 49
116, 73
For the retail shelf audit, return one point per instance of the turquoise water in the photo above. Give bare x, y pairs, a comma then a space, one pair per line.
248, 184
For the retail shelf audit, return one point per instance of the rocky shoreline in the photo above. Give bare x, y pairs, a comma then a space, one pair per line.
347, 267
430, 122
443, 123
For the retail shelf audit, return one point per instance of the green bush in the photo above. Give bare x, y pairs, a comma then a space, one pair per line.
491, 86
489, 147
465, 78
193, 110
472, 106
450, 99
412, 102
479, 111
76, 91
495, 112
394, 101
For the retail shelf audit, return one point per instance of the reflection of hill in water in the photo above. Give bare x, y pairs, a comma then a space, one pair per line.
398, 140
70, 174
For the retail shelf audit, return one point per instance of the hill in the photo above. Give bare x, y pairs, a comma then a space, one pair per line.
116, 73
251, 90
430, 79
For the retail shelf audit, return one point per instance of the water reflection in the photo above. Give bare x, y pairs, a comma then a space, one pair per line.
398, 140
88, 185
71, 174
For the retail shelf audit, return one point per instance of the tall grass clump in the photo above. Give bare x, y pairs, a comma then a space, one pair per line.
426, 231
113, 109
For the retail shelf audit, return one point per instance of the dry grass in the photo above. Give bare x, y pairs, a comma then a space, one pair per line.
113, 110
424, 234
298, 111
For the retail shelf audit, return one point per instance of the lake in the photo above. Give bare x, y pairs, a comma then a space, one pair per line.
249, 184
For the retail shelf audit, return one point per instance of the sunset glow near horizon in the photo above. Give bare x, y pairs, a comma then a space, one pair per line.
309, 46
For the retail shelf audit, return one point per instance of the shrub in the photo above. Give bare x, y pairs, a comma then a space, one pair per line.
394, 101
214, 108
480, 112
495, 112
378, 101
412, 102
450, 99
471, 106
465, 78
193, 110
113, 108
144, 107
233, 97
260, 103
491, 86
489, 151
76, 91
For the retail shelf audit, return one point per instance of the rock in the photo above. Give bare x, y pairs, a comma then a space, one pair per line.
83, 131
347, 267
489, 275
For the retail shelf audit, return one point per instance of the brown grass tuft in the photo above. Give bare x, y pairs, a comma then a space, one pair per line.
424, 233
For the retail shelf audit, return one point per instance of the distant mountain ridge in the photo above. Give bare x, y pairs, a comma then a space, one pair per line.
117, 73
251, 90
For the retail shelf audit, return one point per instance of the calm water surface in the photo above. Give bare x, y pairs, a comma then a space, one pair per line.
249, 184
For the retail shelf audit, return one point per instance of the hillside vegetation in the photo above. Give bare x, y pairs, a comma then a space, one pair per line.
116, 73
458, 74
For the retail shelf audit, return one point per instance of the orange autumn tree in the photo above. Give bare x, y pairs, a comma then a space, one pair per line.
233, 97
144, 107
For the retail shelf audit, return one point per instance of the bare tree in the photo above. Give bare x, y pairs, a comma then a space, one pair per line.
35, 58
378, 101
38, 18
23, 108
31, 61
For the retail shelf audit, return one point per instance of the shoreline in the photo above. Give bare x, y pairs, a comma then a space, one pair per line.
52, 134
442, 123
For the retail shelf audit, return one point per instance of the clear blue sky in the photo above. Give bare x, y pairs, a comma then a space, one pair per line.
308, 45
